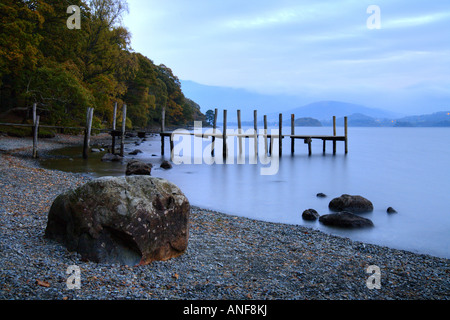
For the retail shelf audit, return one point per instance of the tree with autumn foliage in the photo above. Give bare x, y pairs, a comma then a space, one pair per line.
66, 71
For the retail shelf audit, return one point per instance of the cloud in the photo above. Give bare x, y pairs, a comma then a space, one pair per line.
291, 47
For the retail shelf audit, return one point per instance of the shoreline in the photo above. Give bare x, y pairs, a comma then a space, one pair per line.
228, 257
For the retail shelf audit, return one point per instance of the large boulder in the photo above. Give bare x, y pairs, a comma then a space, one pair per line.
345, 220
128, 220
355, 204
136, 167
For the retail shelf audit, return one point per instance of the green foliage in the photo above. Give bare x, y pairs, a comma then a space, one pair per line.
210, 117
67, 71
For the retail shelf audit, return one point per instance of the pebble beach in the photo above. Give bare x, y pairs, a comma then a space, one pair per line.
228, 257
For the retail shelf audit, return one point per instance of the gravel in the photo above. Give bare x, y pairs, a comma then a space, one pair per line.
228, 257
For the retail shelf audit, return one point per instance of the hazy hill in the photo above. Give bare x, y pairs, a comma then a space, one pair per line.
325, 110
437, 119
210, 97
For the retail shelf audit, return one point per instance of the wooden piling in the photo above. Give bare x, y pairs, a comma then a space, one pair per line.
87, 132
214, 132
280, 135
34, 113
124, 123
113, 143
308, 141
346, 134
334, 134
292, 133
163, 127
265, 134
35, 135
224, 134
255, 127
239, 131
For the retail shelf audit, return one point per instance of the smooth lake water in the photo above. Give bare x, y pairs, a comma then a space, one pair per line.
404, 168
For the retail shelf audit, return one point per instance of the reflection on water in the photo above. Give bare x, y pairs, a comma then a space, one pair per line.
405, 168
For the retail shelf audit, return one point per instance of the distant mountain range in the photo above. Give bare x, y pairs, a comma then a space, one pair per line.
210, 97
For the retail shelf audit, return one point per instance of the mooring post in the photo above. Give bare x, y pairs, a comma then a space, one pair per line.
280, 137
87, 132
163, 127
334, 134
239, 131
309, 140
292, 133
124, 123
255, 127
35, 136
265, 134
214, 132
113, 147
346, 134
224, 134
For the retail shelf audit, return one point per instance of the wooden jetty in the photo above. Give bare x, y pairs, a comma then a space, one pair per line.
268, 149
214, 135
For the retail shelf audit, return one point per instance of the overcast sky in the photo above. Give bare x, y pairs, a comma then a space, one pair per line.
321, 50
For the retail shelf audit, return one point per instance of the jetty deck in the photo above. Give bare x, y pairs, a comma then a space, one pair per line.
255, 135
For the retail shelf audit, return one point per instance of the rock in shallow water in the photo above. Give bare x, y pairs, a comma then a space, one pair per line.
136, 167
355, 204
310, 214
129, 220
391, 210
345, 220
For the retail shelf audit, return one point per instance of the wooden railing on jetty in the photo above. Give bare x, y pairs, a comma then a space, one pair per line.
223, 135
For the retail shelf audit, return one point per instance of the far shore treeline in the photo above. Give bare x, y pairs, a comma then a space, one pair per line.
67, 71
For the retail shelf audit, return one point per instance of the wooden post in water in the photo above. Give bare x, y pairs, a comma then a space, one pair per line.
163, 127
214, 133
239, 131
292, 133
308, 141
334, 134
224, 134
280, 129
255, 127
35, 135
113, 147
346, 134
124, 123
265, 134
87, 132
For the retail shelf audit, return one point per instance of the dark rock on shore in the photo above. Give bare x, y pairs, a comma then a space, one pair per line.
355, 204
126, 220
310, 215
345, 220
136, 167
